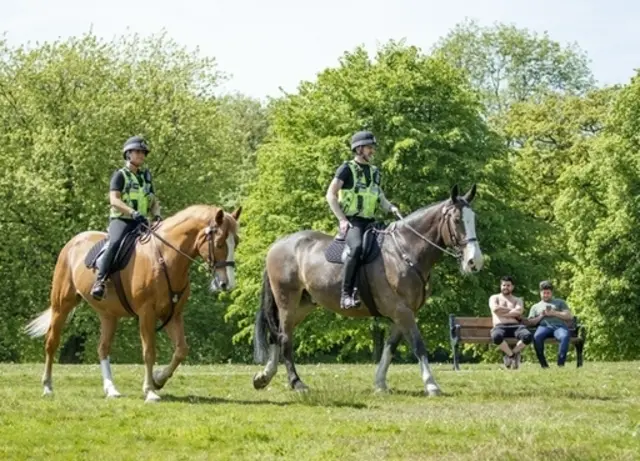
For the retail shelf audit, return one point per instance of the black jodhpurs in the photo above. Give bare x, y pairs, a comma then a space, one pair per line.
118, 228
353, 239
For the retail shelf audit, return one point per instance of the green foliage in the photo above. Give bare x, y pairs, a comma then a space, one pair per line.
599, 206
509, 65
556, 160
65, 110
431, 136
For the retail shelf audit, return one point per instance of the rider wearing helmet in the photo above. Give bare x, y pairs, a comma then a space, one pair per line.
354, 196
132, 200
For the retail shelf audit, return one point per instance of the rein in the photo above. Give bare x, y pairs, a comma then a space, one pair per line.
393, 228
212, 263
174, 296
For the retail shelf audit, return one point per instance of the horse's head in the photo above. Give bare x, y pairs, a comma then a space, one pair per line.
459, 229
218, 242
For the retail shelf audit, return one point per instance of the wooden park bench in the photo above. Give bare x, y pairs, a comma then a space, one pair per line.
477, 330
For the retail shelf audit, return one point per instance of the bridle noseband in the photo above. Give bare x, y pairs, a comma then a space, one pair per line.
455, 242
210, 231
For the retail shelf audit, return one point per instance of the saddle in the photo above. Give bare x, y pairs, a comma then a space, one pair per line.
371, 244
121, 258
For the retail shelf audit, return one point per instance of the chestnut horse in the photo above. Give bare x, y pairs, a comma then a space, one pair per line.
158, 266
298, 277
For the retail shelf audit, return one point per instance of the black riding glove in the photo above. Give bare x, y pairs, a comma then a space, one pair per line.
139, 218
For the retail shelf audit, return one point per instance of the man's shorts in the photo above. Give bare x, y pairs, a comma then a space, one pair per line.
520, 332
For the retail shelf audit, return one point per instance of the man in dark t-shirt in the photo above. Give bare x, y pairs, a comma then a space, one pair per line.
354, 196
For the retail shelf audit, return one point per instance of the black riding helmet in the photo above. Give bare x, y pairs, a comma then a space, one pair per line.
362, 138
135, 143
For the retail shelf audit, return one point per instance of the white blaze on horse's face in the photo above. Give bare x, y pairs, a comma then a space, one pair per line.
231, 271
472, 256
225, 277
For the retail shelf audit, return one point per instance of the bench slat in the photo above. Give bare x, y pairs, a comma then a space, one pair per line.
482, 322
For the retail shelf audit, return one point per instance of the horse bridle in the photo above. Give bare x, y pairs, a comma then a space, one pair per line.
455, 242
210, 231
212, 264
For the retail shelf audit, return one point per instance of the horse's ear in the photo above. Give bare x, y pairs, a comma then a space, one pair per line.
219, 217
236, 213
454, 193
469, 196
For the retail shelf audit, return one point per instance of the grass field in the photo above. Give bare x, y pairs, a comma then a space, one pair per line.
213, 412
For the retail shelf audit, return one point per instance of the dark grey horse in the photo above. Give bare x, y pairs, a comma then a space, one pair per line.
298, 277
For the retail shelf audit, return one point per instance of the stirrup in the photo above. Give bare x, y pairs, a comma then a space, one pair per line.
348, 301
98, 289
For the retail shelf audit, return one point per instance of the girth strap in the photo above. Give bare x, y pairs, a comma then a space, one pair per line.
367, 296
174, 296
117, 283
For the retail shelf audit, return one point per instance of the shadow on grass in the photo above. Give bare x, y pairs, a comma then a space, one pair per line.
418, 393
298, 399
514, 394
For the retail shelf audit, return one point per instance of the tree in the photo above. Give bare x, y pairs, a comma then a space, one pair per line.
426, 118
510, 65
598, 206
65, 110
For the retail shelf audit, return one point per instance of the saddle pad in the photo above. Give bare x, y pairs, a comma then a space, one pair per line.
333, 253
122, 256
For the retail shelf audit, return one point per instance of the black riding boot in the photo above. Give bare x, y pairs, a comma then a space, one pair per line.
99, 287
104, 263
349, 296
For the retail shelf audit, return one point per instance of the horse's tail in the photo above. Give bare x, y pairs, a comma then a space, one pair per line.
266, 325
63, 297
39, 326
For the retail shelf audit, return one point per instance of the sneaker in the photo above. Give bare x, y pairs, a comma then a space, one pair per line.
508, 360
516, 360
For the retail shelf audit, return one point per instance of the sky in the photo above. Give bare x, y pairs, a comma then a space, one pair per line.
271, 44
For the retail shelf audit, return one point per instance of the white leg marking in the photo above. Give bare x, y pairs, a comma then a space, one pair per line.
107, 379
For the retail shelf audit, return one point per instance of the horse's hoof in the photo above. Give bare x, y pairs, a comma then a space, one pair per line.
433, 391
47, 392
260, 381
152, 397
112, 393
380, 390
299, 386
158, 383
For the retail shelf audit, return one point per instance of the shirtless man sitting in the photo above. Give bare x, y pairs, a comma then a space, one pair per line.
506, 314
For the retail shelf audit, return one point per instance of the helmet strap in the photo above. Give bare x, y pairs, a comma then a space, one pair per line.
359, 153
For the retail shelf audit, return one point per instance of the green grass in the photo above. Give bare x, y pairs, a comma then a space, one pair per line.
213, 412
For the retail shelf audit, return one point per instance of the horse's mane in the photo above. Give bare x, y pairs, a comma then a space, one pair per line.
427, 210
200, 212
